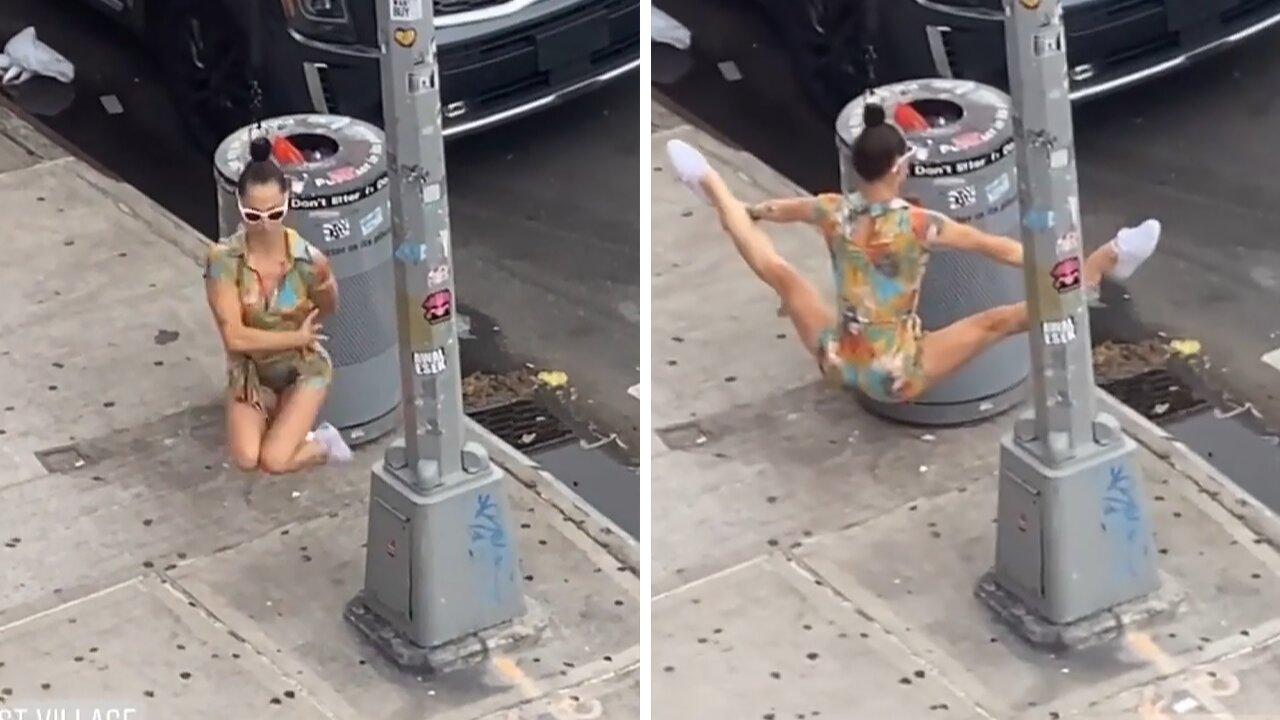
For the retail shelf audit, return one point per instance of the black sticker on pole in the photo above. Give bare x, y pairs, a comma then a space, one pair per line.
326, 202
961, 167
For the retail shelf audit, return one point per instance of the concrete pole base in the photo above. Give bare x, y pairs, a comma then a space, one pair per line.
1101, 627
457, 654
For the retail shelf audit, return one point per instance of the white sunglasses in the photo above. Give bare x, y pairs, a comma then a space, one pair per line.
274, 214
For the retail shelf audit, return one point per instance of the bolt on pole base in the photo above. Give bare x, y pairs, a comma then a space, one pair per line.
442, 572
1075, 555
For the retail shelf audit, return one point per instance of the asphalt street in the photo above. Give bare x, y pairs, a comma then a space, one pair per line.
545, 211
1197, 150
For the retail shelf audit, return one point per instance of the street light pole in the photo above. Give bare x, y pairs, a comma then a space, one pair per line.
441, 560
1072, 532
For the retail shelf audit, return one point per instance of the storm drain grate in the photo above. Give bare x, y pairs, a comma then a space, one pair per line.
524, 424
62, 459
1157, 395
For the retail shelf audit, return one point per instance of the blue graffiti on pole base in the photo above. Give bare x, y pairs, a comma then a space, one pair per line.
489, 543
1122, 520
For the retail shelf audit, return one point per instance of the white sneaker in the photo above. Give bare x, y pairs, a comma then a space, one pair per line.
1133, 247
337, 448
690, 166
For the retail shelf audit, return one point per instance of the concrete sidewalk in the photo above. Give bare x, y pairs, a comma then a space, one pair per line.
148, 573
812, 561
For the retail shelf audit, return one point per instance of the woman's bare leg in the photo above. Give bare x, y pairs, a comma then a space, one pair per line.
245, 428
286, 447
945, 351
802, 302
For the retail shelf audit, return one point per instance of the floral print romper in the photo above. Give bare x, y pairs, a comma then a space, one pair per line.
878, 252
285, 309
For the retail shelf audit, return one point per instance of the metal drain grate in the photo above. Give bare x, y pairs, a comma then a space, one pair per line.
524, 424
1157, 394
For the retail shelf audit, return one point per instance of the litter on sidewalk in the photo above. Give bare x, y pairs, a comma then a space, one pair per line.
26, 56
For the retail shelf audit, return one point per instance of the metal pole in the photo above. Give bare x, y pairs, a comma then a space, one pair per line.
1072, 533
441, 559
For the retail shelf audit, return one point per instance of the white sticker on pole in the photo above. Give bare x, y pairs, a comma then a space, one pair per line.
1060, 158
421, 81
429, 363
406, 10
1059, 332
431, 193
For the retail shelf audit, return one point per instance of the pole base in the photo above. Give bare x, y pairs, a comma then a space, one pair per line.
466, 651
1101, 627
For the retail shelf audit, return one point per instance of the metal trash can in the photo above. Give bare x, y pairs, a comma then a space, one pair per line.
966, 169
339, 202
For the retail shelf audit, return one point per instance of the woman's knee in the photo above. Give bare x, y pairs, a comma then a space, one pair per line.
244, 458
276, 460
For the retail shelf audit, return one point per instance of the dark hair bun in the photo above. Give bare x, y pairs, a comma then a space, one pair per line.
260, 150
873, 115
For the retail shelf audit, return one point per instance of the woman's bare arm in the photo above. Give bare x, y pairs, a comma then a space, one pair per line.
787, 210
962, 236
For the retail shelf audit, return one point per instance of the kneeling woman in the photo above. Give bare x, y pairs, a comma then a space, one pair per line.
879, 246
266, 286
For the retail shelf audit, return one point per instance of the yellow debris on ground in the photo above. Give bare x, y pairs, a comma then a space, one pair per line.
553, 378
1185, 346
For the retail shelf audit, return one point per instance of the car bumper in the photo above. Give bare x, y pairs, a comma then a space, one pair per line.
492, 70
1111, 44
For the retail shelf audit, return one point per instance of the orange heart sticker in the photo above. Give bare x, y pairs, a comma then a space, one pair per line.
406, 37
1030, 4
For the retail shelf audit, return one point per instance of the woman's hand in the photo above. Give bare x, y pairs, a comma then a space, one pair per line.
309, 335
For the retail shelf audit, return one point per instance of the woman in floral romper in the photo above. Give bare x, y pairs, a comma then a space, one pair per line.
879, 246
266, 287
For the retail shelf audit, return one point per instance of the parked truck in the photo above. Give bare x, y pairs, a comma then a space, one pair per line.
840, 46
499, 59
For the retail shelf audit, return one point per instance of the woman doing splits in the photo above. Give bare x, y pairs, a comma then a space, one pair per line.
266, 286
879, 247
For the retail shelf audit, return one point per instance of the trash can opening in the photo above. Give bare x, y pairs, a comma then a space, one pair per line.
314, 146
938, 112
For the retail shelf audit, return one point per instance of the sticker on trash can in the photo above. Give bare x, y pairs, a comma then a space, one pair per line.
999, 188
429, 363
963, 197
1059, 332
406, 10
438, 307
371, 222
336, 230
1066, 274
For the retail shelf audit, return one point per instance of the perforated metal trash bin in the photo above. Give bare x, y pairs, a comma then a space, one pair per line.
339, 202
965, 168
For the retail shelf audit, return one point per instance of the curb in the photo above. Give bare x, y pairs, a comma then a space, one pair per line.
1237, 501
554, 492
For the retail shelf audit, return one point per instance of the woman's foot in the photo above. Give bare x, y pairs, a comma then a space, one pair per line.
336, 449
690, 166
1133, 246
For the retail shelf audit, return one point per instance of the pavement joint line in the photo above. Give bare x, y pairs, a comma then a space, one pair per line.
879, 614
70, 603
698, 582
189, 600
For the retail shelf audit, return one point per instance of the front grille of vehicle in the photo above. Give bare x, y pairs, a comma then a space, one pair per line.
451, 7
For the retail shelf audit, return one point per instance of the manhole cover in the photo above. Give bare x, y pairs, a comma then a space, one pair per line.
522, 423
1157, 394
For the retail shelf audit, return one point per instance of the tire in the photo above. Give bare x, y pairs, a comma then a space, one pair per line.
204, 58
826, 42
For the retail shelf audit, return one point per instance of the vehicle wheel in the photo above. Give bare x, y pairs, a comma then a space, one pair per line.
204, 56
826, 43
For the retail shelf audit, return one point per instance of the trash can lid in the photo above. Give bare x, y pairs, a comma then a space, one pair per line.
965, 117
341, 154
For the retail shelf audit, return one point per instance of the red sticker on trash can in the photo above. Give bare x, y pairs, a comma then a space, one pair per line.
1066, 275
438, 307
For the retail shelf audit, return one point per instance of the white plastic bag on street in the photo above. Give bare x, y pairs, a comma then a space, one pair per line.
25, 56
668, 31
